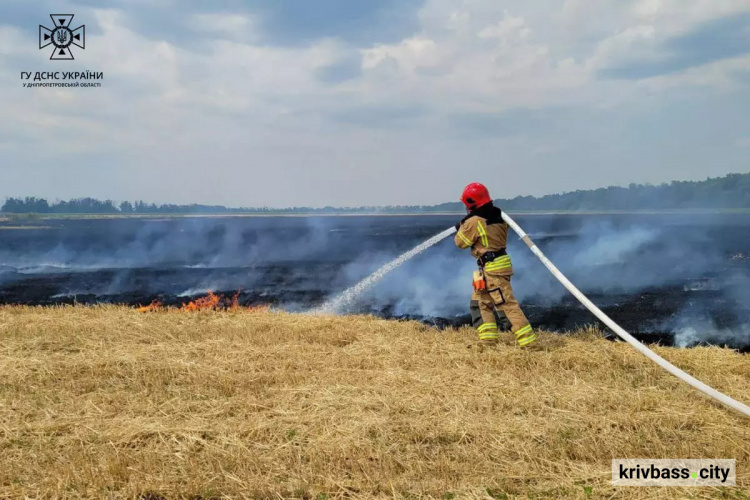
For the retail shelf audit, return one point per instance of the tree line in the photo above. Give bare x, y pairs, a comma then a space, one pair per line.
730, 191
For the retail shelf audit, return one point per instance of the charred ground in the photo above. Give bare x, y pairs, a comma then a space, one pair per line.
659, 276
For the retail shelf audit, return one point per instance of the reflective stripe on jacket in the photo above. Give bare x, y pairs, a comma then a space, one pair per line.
483, 236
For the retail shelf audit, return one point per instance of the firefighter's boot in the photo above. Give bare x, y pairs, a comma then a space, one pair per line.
525, 335
485, 321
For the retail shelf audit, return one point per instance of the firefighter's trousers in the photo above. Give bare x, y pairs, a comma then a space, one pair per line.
497, 304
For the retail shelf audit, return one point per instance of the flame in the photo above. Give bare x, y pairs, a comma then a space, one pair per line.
235, 305
208, 303
153, 306
211, 302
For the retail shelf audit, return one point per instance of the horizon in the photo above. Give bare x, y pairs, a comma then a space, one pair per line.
117, 203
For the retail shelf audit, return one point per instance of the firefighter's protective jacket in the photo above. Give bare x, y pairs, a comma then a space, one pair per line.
484, 230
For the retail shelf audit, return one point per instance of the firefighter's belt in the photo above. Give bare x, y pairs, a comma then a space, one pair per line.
490, 256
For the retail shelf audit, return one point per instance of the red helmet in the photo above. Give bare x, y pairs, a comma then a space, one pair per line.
475, 195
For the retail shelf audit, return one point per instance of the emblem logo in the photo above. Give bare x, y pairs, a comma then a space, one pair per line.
61, 36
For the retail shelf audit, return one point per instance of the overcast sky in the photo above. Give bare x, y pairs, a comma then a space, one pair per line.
371, 102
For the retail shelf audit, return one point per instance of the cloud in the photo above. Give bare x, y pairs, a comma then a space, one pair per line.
294, 22
508, 30
355, 103
220, 22
234, 26
381, 116
519, 121
711, 41
341, 70
465, 62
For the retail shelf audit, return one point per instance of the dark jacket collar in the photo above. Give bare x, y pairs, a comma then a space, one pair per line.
490, 212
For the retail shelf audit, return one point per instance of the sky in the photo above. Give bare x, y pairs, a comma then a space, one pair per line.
373, 102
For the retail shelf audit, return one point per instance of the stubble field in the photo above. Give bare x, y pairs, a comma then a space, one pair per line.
109, 402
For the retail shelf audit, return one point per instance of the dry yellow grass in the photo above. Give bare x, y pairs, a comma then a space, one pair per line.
107, 402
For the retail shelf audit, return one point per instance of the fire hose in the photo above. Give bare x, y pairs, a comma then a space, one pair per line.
685, 377
350, 294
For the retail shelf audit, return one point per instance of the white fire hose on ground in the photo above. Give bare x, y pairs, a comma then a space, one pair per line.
709, 391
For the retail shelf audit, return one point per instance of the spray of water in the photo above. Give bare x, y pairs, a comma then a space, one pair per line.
347, 297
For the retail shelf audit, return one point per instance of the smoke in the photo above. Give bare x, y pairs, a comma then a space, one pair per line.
603, 257
694, 327
348, 296
607, 257
151, 256
299, 262
438, 283
194, 242
432, 284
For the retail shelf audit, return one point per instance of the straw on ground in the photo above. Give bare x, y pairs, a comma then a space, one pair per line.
109, 402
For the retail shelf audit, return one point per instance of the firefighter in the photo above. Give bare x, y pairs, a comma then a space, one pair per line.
484, 231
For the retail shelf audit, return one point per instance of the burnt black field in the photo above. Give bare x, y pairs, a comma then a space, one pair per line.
669, 278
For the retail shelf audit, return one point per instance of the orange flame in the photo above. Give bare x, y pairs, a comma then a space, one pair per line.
208, 303
211, 302
235, 304
153, 306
